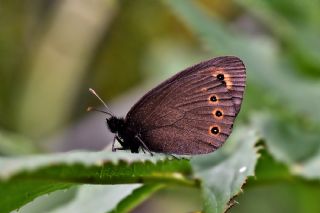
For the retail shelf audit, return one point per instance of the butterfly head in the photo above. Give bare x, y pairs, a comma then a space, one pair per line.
115, 124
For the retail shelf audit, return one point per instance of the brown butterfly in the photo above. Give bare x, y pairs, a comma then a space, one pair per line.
190, 113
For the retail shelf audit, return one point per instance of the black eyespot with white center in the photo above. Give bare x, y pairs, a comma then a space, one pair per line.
220, 77
218, 113
214, 130
213, 98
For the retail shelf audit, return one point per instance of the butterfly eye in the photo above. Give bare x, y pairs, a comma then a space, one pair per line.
214, 130
220, 77
218, 113
213, 98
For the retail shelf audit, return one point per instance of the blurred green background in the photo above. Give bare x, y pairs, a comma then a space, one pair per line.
52, 51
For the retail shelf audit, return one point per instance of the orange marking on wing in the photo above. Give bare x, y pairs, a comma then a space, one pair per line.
228, 81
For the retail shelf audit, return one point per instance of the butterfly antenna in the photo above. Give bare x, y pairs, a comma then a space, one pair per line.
89, 109
105, 105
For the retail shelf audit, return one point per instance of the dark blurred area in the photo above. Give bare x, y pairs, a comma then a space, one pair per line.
52, 51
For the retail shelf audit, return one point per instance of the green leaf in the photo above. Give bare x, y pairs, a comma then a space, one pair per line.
26, 178
97, 198
225, 171
48, 202
138, 196
291, 141
269, 170
274, 177
100, 198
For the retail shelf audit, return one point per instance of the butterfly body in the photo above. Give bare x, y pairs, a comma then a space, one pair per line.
190, 113
124, 134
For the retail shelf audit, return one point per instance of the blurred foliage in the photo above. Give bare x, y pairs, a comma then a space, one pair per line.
52, 51
27, 178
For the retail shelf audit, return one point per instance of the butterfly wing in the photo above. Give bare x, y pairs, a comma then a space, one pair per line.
192, 112
234, 73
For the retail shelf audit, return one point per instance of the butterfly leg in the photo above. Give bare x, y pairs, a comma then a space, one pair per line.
143, 150
116, 137
113, 142
120, 148
144, 146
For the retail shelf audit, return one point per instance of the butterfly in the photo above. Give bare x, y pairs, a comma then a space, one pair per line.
190, 113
